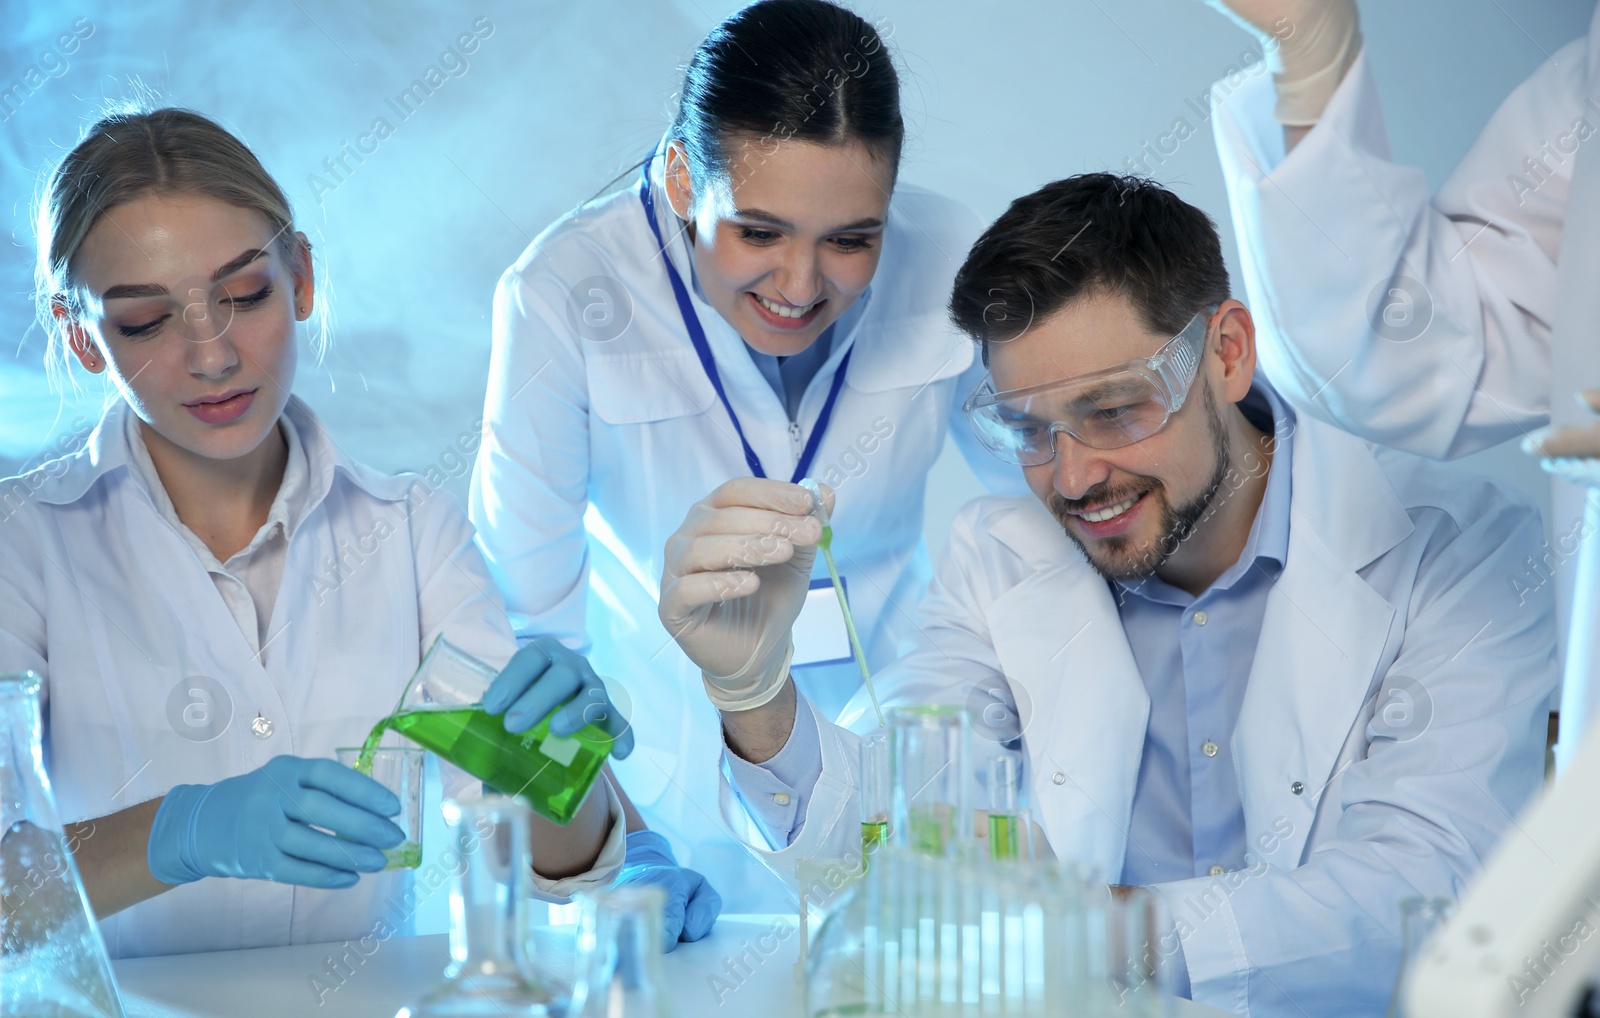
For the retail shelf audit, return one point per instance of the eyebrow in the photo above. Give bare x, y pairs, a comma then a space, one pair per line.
762, 215
123, 290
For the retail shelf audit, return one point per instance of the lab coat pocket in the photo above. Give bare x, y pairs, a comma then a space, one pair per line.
637, 388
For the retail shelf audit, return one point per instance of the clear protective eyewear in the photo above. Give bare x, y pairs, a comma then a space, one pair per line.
1104, 409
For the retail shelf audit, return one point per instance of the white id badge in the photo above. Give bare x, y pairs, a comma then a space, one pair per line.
820, 637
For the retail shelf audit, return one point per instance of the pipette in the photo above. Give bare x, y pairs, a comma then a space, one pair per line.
820, 510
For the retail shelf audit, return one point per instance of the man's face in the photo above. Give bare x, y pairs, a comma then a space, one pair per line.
1129, 509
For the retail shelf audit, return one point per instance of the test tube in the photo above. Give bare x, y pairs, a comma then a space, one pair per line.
874, 792
1010, 833
930, 774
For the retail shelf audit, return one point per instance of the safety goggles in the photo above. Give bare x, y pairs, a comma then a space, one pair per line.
1105, 409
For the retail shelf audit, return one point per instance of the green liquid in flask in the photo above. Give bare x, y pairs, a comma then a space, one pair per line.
551, 772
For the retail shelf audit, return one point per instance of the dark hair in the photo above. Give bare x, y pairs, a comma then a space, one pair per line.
781, 69
1083, 236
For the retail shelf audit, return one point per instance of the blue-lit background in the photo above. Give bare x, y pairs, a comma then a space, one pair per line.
558, 98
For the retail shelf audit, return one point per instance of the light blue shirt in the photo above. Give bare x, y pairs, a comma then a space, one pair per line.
1187, 814
1194, 654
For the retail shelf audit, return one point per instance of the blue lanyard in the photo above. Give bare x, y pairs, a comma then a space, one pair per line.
697, 336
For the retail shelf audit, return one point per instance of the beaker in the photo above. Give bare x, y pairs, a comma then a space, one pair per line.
53, 963
1419, 917
931, 777
619, 955
489, 973
399, 769
442, 711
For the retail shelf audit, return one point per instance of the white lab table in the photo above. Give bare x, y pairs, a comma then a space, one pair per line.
274, 981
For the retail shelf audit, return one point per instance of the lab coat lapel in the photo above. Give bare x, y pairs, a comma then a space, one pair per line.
1080, 698
1321, 641
1575, 367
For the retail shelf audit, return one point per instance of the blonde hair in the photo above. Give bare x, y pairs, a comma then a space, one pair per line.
130, 154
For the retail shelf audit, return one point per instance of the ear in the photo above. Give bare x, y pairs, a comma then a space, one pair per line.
305, 280
77, 337
1236, 347
680, 189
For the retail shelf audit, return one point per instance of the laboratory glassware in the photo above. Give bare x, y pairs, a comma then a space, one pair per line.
875, 791
931, 775
442, 711
53, 963
489, 972
1010, 830
619, 955
1419, 917
399, 769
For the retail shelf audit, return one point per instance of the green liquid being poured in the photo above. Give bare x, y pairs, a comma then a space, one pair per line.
407, 856
826, 544
551, 773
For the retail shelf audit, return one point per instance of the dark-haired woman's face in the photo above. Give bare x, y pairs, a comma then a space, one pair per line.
191, 307
789, 239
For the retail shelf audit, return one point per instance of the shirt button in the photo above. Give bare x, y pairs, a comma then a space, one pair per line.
781, 798
261, 727
1217, 871
1200, 618
1297, 788
1209, 748
1058, 778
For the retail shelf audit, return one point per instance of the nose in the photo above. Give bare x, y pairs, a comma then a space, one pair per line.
1078, 468
799, 277
209, 352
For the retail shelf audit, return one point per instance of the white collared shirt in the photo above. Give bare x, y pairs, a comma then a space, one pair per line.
152, 680
248, 582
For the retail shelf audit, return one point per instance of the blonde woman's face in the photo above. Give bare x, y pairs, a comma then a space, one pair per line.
189, 304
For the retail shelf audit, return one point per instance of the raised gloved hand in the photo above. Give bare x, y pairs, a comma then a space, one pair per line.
734, 581
545, 675
1309, 45
258, 826
692, 904
1571, 451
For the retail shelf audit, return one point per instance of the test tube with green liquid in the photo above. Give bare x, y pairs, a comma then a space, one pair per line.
442, 711
874, 791
1009, 827
820, 511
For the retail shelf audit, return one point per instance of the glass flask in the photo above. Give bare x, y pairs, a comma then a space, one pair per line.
489, 972
1419, 917
931, 778
53, 963
619, 955
442, 711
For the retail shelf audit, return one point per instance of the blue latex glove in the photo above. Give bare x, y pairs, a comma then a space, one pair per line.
257, 825
545, 675
692, 903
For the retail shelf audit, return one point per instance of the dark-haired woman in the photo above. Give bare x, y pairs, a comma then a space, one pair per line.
763, 301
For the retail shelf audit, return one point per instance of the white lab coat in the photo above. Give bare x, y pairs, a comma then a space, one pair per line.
1396, 570
1504, 255
107, 601
595, 449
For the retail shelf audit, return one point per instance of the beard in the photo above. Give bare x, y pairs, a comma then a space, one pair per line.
1118, 558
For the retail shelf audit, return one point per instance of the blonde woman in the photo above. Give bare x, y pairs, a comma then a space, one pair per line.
186, 547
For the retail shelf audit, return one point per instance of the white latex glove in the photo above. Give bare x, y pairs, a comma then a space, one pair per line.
1570, 452
1309, 45
734, 580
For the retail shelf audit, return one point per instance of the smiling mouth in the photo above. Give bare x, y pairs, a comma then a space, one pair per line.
1107, 512
786, 310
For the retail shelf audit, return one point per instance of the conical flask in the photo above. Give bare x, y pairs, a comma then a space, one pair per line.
442, 711
489, 973
619, 955
52, 961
